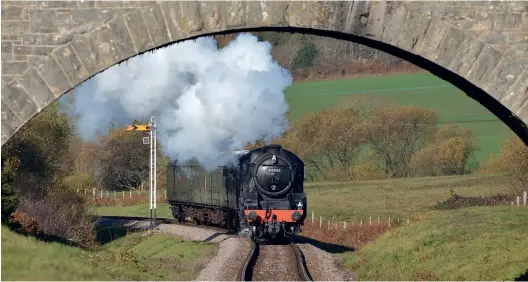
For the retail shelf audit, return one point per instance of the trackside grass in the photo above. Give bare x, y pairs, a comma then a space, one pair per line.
476, 243
133, 257
355, 201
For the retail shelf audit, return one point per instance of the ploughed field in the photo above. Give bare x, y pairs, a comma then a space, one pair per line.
423, 89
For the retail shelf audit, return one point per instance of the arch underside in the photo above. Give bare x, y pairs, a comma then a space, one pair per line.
498, 82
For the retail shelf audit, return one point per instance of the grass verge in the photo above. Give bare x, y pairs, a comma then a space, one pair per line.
476, 243
132, 257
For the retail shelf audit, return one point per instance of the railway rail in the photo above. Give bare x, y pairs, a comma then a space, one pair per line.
255, 268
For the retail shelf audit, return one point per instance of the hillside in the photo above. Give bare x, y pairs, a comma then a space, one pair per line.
478, 243
26, 258
423, 89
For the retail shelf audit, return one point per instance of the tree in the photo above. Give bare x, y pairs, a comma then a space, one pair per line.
512, 160
328, 141
396, 133
448, 153
38, 152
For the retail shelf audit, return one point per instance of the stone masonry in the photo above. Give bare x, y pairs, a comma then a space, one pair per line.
49, 47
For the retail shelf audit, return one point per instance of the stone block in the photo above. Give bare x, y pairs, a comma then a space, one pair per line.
353, 17
7, 47
15, 27
450, 47
22, 50
412, 35
518, 38
254, 14
156, 24
517, 94
43, 21
505, 21
96, 50
171, 13
13, 67
502, 77
10, 122
92, 15
54, 76
70, 4
18, 100
482, 68
376, 19
211, 15
71, 64
436, 32
494, 39
516, 50
34, 60
14, 13
466, 55
235, 13
138, 31
318, 15
37, 88
394, 22
190, 21
123, 40
41, 39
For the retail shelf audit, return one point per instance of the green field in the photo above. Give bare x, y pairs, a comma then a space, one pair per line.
477, 243
133, 257
424, 89
354, 201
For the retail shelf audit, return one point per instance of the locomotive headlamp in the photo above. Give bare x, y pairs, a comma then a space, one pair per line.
296, 215
299, 205
252, 215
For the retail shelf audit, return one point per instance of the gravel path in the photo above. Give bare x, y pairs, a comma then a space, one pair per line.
275, 263
322, 265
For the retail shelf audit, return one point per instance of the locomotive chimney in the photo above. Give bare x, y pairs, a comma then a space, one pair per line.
273, 149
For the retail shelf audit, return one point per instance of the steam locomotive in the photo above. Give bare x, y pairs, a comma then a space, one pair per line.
260, 196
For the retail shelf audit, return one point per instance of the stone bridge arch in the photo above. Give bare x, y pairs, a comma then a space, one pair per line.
424, 33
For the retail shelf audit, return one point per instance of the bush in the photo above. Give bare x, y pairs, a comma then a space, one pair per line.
24, 223
305, 56
512, 160
457, 201
448, 153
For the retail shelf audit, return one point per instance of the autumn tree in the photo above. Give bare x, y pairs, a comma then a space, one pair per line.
512, 160
328, 141
396, 133
448, 152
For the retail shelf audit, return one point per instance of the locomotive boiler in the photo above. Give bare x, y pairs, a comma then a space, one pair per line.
261, 195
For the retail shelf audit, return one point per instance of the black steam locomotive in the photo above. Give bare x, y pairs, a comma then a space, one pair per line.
262, 195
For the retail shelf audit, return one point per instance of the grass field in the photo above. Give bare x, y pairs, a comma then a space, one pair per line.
354, 201
424, 89
477, 243
133, 257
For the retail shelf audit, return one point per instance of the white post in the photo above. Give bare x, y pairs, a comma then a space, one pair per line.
101, 194
93, 194
154, 164
329, 224
407, 221
344, 225
123, 194
361, 222
389, 221
84, 191
320, 221
518, 201
312, 217
378, 220
525, 198
107, 193
370, 220
130, 193
151, 183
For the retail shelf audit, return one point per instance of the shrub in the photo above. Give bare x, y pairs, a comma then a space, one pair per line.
366, 172
512, 160
24, 223
457, 201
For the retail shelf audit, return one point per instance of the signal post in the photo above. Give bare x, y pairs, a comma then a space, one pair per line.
151, 128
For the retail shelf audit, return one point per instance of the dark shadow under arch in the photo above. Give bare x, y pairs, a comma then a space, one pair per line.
494, 106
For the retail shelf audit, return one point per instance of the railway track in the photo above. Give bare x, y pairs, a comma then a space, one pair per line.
274, 263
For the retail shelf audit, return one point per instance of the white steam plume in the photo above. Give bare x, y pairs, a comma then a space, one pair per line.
208, 101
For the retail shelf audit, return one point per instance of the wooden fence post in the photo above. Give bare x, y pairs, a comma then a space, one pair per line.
130, 193
525, 198
361, 222
114, 195
107, 193
344, 225
101, 196
518, 201
84, 191
312, 217
370, 220
407, 221
77, 190
389, 221
320, 222
93, 194
378, 220
123, 194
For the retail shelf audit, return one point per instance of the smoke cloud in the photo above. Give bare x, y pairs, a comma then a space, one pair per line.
207, 101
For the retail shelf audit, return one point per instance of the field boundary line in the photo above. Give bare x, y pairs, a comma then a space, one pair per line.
380, 90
